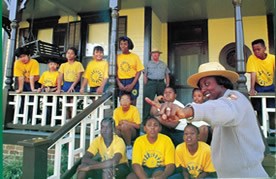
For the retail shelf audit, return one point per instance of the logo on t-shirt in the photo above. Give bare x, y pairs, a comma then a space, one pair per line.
194, 169
152, 159
125, 67
96, 76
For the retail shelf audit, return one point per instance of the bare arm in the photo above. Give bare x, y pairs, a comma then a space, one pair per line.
136, 78
59, 81
83, 85
169, 169
253, 77
101, 88
167, 80
139, 171
20, 80
71, 89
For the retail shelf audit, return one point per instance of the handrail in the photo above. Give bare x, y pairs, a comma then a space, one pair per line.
265, 110
36, 148
77, 119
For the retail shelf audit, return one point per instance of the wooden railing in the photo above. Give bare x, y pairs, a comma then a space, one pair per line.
72, 134
265, 110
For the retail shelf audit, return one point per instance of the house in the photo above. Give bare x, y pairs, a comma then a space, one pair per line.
187, 32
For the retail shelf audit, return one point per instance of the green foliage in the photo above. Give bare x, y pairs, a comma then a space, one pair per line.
12, 167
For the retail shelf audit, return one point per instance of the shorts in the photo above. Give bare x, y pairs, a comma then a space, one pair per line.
134, 92
122, 170
27, 86
66, 85
151, 171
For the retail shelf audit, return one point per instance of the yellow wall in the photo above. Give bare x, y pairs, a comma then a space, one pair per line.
135, 29
45, 35
222, 31
159, 36
66, 19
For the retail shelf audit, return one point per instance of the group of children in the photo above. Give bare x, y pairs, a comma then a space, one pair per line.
154, 155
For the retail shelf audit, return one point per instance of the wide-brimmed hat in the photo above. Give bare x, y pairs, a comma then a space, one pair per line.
156, 50
211, 69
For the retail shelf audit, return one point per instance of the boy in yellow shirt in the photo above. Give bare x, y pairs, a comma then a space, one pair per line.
48, 79
26, 70
153, 153
96, 72
193, 157
112, 150
127, 120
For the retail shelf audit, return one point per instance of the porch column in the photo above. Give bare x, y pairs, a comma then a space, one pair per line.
15, 8
240, 66
114, 6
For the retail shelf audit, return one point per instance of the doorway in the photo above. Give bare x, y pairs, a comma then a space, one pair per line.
188, 42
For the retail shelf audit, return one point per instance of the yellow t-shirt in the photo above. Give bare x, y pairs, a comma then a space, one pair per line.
131, 115
264, 69
49, 79
128, 65
195, 164
71, 71
96, 72
117, 146
26, 70
160, 153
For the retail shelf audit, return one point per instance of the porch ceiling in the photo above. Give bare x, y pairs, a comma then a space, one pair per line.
166, 10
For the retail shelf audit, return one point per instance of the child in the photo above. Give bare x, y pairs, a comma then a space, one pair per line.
96, 72
48, 79
205, 130
71, 71
129, 69
26, 70
127, 120
112, 150
153, 153
261, 66
193, 156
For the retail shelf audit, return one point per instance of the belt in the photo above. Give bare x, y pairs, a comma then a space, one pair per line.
155, 80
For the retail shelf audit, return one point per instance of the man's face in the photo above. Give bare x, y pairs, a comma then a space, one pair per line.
169, 95
155, 56
210, 89
24, 58
106, 129
259, 51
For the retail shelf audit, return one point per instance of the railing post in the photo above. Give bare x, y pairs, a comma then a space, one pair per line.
114, 6
35, 153
240, 48
15, 8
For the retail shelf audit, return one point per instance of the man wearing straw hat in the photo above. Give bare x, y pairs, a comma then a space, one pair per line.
156, 78
237, 145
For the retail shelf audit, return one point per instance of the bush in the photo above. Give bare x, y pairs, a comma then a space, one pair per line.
12, 167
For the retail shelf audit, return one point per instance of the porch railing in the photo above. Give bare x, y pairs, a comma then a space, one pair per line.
33, 110
265, 110
71, 135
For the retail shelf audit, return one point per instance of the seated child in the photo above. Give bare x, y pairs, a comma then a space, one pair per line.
193, 157
127, 121
153, 153
96, 72
112, 150
48, 79
205, 130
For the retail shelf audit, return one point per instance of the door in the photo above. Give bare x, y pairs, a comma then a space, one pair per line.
185, 61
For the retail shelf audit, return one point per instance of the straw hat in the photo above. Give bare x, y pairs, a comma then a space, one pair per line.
156, 50
211, 69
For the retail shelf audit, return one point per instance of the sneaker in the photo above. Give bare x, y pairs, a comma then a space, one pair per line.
129, 152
